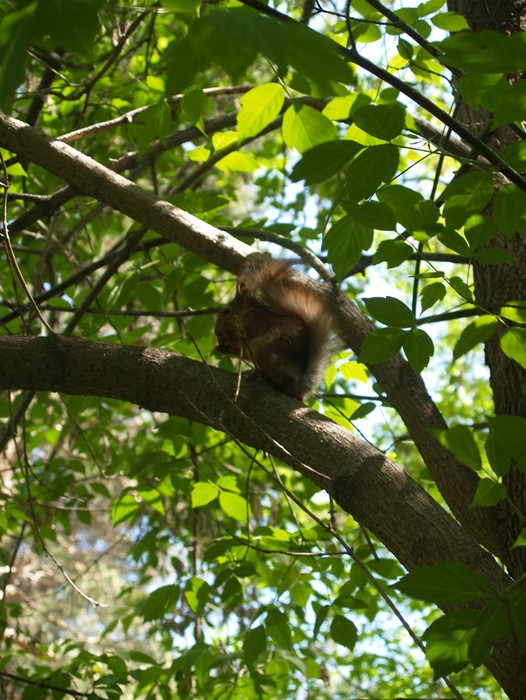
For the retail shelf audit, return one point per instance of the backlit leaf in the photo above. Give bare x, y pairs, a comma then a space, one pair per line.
513, 344
304, 127
259, 107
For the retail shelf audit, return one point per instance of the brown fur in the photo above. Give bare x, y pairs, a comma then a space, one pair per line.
279, 324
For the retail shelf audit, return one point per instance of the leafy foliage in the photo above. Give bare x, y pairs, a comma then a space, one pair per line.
146, 556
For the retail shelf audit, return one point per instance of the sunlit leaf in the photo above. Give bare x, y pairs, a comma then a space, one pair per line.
233, 505
203, 492
304, 127
513, 344
259, 107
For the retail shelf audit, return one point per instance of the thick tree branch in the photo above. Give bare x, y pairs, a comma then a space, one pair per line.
405, 390
90, 178
366, 484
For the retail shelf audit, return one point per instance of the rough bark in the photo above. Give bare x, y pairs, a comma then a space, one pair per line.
497, 284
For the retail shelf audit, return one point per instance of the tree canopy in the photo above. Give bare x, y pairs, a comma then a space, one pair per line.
171, 527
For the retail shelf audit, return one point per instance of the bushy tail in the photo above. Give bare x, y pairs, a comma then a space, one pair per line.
277, 285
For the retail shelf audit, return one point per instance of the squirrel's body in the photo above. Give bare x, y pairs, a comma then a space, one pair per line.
280, 324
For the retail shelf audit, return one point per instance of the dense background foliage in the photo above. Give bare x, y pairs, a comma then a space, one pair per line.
147, 555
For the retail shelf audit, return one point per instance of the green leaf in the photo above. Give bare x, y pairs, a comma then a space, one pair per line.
233, 505
479, 230
478, 88
405, 49
369, 169
345, 242
488, 493
187, 9
259, 107
160, 602
448, 639
509, 433
480, 331
494, 256
514, 311
393, 253
277, 625
124, 508
304, 127
430, 7
324, 161
196, 105
447, 583
509, 210
431, 294
373, 214
515, 602
321, 616
418, 348
515, 155
17, 30
390, 311
466, 195
409, 207
460, 441
383, 121
509, 104
381, 345
513, 345
521, 539
203, 492
461, 288
486, 51
499, 461
254, 644
197, 593
344, 632
450, 21
454, 241
71, 24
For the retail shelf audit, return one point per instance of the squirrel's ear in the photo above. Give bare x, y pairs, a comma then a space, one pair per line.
242, 288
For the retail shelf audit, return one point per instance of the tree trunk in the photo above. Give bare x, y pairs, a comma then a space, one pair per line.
497, 284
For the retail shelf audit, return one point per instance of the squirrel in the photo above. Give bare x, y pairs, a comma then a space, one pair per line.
280, 324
